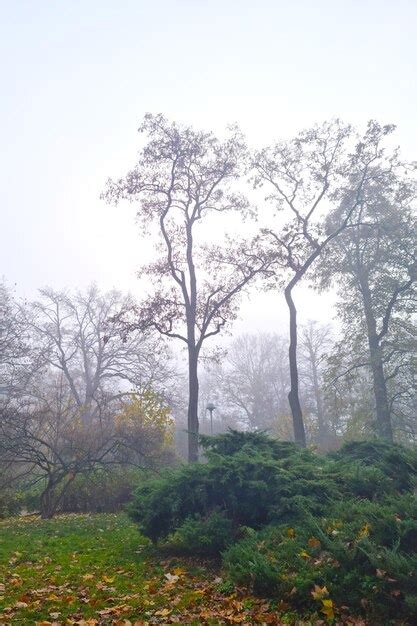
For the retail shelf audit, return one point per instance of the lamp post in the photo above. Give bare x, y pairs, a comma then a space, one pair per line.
210, 407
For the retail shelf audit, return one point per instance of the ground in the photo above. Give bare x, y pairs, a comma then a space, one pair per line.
97, 569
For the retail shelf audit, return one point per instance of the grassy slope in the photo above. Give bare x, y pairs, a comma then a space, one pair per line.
99, 569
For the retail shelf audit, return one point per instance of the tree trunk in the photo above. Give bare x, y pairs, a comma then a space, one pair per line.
383, 413
52, 497
293, 396
382, 409
321, 422
193, 391
47, 502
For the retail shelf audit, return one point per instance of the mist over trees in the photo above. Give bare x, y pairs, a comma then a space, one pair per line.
71, 414
91, 381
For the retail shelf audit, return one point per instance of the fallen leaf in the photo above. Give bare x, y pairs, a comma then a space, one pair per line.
171, 578
163, 612
327, 608
21, 605
319, 593
314, 543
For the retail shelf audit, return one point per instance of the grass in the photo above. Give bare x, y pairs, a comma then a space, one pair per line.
97, 569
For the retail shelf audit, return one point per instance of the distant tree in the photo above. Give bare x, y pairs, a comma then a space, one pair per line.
254, 381
315, 342
324, 168
14, 343
75, 338
347, 392
183, 179
374, 266
67, 420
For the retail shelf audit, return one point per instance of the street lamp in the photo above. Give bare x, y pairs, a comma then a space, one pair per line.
210, 407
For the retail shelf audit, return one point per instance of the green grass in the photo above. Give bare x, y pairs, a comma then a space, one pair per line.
76, 566
99, 568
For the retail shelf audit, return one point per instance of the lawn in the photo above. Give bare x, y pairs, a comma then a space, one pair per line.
98, 569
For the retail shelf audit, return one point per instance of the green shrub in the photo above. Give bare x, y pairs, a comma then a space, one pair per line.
316, 531
244, 477
11, 502
392, 468
203, 536
358, 552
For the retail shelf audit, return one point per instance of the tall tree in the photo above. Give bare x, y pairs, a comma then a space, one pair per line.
374, 266
323, 168
183, 179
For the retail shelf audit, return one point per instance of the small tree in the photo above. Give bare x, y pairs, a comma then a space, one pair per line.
320, 169
184, 178
63, 422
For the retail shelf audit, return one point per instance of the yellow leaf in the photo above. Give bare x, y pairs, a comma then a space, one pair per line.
319, 592
88, 576
53, 598
290, 532
304, 554
327, 608
107, 579
364, 531
163, 612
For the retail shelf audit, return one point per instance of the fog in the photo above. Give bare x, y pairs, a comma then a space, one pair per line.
78, 78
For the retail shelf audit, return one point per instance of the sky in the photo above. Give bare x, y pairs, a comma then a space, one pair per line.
78, 76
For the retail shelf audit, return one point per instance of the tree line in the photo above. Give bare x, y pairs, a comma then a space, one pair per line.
88, 380
338, 209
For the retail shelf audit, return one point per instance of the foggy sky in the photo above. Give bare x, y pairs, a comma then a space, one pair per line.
77, 77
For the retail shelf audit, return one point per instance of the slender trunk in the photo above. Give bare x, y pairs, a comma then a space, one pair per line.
322, 426
382, 408
193, 391
293, 396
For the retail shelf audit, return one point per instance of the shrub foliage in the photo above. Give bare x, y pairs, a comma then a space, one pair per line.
318, 533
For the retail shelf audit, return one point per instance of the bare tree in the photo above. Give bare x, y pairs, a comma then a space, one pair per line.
64, 423
76, 339
315, 342
322, 168
14, 343
254, 381
184, 178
